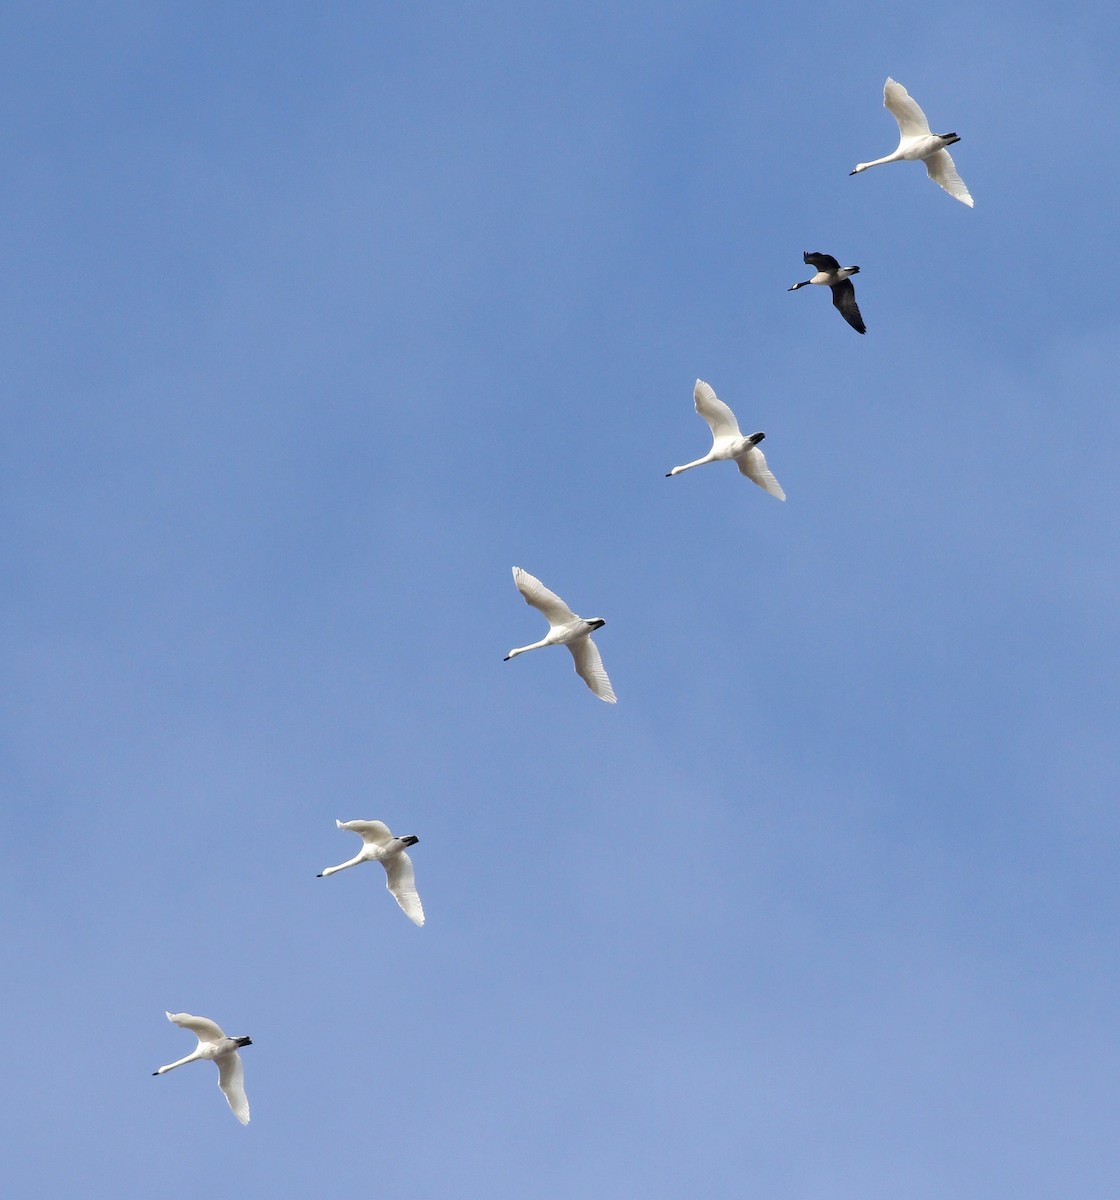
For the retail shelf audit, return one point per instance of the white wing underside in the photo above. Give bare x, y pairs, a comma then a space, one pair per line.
753, 466
231, 1079
402, 883
372, 832
721, 420
943, 171
202, 1027
589, 667
536, 594
911, 120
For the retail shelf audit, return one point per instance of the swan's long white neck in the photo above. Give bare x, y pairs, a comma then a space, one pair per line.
353, 862
190, 1058
878, 162
698, 463
545, 641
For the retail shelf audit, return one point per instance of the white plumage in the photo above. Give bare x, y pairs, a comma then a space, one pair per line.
565, 628
729, 443
916, 142
221, 1050
379, 845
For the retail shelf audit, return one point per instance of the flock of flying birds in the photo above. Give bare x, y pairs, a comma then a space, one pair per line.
915, 142
565, 628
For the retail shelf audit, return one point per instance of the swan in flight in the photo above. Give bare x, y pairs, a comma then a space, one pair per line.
728, 442
566, 629
379, 845
915, 141
832, 274
221, 1050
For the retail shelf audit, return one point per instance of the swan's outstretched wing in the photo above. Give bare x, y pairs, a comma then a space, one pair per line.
231, 1079
721, 420
844, 297
402, 883
943, 171
911, 120
536, 594
823, 262
589, 667
753, 465
375, 832
202, 1027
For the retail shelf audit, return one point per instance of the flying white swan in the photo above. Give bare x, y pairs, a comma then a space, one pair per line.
221, 1050
379, 845
566, 629
831, 274
915, 141
728, 442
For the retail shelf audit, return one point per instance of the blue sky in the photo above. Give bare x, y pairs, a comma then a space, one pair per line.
316, 320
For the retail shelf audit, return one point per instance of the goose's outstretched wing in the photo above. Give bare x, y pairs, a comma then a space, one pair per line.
823, 262
402, 883
536, 594
589, 667
911, 120
844, 297
943, 171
